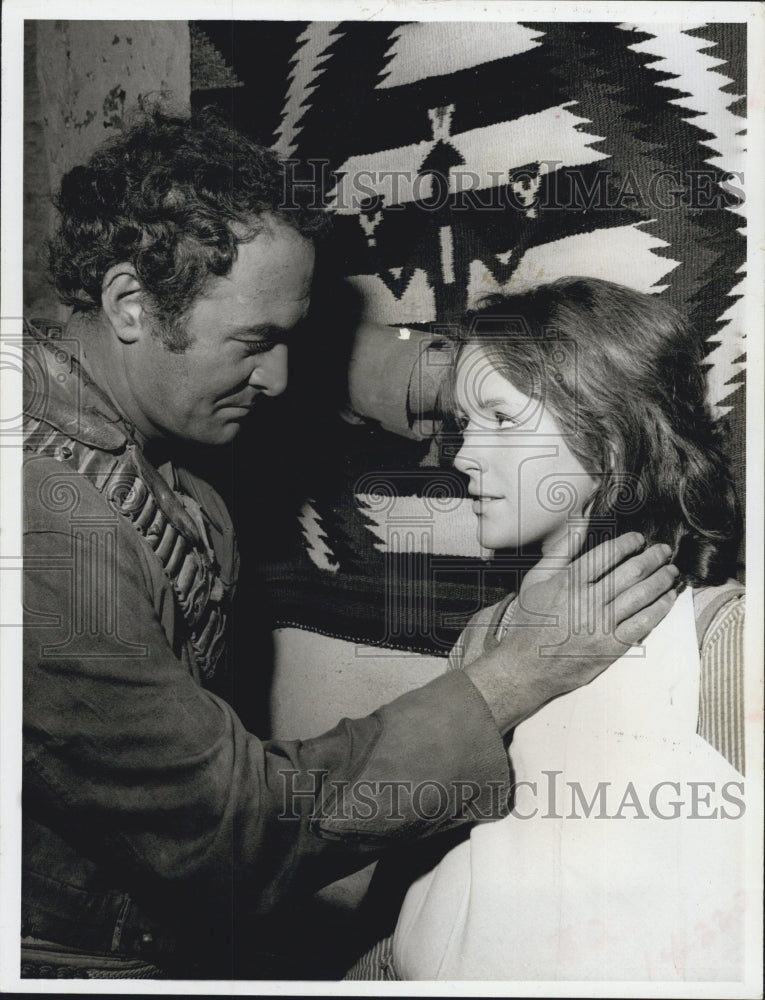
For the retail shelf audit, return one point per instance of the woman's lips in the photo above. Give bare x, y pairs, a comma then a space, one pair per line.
480, 503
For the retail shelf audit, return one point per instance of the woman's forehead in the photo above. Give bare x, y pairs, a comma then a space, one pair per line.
479, 384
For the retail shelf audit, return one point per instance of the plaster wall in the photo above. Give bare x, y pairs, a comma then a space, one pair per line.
82, 80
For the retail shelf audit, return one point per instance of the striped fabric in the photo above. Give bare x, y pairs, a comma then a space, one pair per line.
375, 964
721, 688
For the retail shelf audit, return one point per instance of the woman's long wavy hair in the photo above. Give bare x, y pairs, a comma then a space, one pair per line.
622, 375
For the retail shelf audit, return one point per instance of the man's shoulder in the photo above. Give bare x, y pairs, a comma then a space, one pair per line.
72, 437
58, 498
60, 396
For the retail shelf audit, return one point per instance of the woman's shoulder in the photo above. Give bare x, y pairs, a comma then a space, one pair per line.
480, 629
492, 613
718, 609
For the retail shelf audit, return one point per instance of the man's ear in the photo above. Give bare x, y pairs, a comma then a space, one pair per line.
121, 301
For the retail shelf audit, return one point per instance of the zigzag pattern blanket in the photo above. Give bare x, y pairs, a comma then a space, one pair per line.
460, 159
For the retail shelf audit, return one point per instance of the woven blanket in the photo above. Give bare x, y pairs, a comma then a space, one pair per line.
461, 159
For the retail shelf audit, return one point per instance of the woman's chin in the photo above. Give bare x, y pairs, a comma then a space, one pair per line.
488, 539
533, 544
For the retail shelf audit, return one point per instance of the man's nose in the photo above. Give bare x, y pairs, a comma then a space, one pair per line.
271, 372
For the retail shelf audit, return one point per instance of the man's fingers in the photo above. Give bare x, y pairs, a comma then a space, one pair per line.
599, 560
625, 576
636, 628
643, 594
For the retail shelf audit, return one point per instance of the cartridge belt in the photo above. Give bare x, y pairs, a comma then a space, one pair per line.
136, 491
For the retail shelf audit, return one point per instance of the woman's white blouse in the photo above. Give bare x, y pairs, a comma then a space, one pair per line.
623, 857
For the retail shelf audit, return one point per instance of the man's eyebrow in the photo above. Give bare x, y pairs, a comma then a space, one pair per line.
265, 332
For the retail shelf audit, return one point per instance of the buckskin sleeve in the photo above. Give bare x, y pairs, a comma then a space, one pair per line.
396, 376
125, 746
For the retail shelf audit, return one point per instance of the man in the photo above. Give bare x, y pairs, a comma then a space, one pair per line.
155, 826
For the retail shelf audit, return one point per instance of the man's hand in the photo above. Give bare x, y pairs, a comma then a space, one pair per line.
571, 622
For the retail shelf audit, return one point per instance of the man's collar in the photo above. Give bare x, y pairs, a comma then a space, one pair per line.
60, 391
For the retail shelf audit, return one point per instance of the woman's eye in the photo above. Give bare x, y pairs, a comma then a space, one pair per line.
502, 420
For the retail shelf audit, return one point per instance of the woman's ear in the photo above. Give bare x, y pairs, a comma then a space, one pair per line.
121, 302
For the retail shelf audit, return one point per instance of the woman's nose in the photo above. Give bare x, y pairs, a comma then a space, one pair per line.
468, 459
270, 374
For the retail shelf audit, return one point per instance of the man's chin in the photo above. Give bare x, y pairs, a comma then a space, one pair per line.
213, 437
227, 433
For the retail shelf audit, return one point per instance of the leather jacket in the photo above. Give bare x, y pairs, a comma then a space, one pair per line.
154, 824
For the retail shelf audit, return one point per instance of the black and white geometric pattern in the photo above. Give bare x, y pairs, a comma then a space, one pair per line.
461, 159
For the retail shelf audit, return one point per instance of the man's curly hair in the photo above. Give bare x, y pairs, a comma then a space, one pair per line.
174, 197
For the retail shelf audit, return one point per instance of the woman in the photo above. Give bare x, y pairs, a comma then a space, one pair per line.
582, 406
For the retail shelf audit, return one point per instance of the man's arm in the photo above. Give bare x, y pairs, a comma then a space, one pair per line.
395, 377
124, 745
